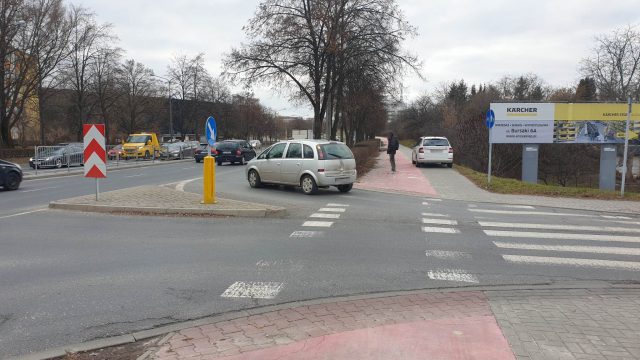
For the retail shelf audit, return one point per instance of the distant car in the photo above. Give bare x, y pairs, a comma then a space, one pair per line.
310, 164
256, 144
432, 150
201, 152
115, 152
177, 150
383, 144
58, 156
233, 151
10, 175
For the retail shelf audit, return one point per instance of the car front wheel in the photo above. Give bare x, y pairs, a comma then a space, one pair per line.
308, 185
12, 181
254, 179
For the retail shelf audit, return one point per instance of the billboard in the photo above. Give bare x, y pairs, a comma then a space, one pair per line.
563, 123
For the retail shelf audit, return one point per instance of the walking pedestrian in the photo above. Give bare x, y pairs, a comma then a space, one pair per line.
392, 146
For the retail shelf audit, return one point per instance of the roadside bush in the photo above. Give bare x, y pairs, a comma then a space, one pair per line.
365, 153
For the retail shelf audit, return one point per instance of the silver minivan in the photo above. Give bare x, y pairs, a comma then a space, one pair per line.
310, 164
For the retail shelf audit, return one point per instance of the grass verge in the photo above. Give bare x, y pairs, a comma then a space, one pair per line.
512, 186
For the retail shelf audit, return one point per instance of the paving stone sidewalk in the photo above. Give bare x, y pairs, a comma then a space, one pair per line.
164, 200
533, 324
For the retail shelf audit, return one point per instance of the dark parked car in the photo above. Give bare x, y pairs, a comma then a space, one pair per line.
10, 175
201, 152
233, 151
58, 156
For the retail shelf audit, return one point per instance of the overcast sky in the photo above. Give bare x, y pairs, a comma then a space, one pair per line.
478, 41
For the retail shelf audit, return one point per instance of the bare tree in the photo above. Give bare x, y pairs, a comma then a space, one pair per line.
87, 41
104, 84
137, 84
303, 46
615, 64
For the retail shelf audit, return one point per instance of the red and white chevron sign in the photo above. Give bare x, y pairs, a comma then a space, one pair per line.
95, 155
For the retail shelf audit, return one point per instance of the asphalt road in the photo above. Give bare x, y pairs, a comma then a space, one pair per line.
69, 277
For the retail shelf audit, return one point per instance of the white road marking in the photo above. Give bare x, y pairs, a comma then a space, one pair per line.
518, 206
452, 275
253, 290
288, 265
616, 217
434, 199
439, 230
541, 260
436, 215
133, 176
306, 234
338, 210
325, 216
449, 255
425, 203
569, 248
41, 189
22, 213
562, 236
511, 212
439, 222
180, 186
558, 227
318, 224
337, 205
472, 206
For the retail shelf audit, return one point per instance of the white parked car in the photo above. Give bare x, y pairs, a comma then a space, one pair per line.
310, 164
432, 150
256, 144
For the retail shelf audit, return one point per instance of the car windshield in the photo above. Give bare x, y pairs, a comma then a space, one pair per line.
435, 142
138, 139
335, 151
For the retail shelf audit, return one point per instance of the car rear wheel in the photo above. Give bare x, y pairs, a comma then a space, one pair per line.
59, 163
308, 185
219, 163
254, 179
413, 161
345, 188
450, 165
12, 182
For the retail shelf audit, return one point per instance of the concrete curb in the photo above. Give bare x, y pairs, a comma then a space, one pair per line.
276, 212
125, 167
232, 315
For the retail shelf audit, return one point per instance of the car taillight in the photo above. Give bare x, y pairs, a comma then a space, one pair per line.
320, 153
238, 152
214, 152
450, 150
421, 150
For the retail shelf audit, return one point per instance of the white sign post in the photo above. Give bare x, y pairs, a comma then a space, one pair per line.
626, 150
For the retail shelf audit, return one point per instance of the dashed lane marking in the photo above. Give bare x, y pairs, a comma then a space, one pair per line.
568, 248
515, 213
448, 255
425, 203
558, 227
616, 217
439, 222
434, 199
338, 210
452, 275
325, 216
337, 205
318, 224
306, 234
41, 189
562, 236
518, 206
435, 215
541, 260
439, 230
253, 290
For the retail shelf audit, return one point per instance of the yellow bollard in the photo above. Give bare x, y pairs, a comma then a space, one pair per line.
209, 180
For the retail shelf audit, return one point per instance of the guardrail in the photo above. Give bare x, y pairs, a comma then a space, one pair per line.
57, 157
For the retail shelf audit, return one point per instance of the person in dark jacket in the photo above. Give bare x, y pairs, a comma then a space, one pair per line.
392, 146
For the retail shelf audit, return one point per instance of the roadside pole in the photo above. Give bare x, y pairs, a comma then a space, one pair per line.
490, 121
209, 169
97, 188
626, 149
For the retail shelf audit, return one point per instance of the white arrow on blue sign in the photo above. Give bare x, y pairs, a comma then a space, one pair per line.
211, 130
491, 119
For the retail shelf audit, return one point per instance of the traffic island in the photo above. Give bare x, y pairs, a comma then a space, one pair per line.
160, 200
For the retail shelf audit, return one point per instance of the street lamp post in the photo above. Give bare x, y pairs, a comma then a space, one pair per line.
170, 104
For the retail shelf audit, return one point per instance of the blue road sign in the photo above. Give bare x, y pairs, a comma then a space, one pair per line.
211, 130
491, 119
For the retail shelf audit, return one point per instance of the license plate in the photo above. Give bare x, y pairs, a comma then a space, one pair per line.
342, 179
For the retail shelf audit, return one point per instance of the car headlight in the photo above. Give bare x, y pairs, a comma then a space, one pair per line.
140, 147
